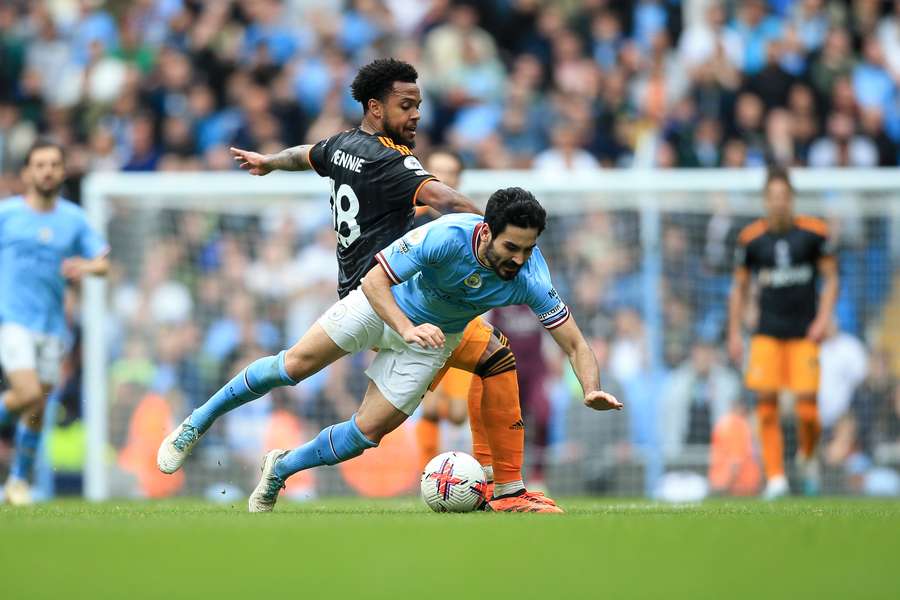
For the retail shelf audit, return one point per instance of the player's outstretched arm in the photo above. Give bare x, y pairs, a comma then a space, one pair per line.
295, 158
570, 339
445, 199
736, 299
376, 285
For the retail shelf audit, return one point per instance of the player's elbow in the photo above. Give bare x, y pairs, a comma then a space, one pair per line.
374, 280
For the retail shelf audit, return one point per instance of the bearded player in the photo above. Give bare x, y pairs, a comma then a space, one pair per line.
376, 183
45, 241
413, 305
787, 255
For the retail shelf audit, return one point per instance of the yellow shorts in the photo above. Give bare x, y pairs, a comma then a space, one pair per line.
777, 364
465, 358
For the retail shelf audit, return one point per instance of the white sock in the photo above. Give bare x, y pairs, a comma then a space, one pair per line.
504, 489
488, 473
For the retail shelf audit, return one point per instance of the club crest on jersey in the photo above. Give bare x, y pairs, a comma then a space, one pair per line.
473, 281
45, 234
416, 235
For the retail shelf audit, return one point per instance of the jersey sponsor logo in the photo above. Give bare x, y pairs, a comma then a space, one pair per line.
785, 276
553, 312
347, 161
473, 281
402, 246
553, 293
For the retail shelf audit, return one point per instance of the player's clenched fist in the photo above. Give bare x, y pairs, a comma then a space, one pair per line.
426, 335
602, 401
254, 162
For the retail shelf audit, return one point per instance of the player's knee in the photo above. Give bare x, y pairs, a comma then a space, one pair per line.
500, 361
767, 410
430, 407
299, 363
457, 417
29, 398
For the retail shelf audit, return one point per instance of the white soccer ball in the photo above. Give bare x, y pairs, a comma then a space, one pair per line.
453, 482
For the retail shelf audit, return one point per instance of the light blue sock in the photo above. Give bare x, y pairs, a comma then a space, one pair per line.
27, 442
256, 380
6, 416
334, 444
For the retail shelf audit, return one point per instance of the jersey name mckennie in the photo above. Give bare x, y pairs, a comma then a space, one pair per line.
440, 279
33, 246
374, 185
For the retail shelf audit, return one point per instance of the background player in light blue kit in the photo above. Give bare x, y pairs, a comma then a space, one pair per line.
44, 240
413, 306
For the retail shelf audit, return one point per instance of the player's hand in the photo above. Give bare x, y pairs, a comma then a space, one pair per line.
426, 335
74, 268
254, 162
736, 348
817, 330
602, 401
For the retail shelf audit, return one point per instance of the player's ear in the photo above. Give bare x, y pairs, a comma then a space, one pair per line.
375, 108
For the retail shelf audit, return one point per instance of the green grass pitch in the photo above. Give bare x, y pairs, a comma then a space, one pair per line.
335, 549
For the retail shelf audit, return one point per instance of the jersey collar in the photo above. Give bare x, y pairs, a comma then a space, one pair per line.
475, 234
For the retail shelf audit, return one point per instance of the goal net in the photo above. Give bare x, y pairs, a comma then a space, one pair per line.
213, 270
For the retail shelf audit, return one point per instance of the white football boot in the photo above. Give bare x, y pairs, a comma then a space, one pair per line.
18, 492
175, 449
265, 495
776, 488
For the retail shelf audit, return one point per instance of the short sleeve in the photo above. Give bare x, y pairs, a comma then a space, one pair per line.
743, 257
318, 157
826, 245
543, 299
422, 247
404, 176
90, 243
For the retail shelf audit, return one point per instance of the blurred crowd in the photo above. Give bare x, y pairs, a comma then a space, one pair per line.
169, 85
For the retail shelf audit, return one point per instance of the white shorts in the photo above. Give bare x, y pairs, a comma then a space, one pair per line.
401, 371
21, 349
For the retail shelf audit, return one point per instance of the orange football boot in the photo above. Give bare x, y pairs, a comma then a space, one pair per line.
523, 502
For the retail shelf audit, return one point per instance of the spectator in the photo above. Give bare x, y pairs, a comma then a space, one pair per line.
842, 147
566, 153
756, 30
705, 41
835, 61
699, 393
872, 406
843, 367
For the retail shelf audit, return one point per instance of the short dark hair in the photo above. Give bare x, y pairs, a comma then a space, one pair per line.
40, 144
446, 150
778, 173
514, 206
376, 79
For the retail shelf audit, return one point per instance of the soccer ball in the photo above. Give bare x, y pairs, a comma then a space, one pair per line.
453, 482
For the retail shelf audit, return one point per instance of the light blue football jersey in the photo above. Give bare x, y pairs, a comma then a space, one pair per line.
33, 246
441, 281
